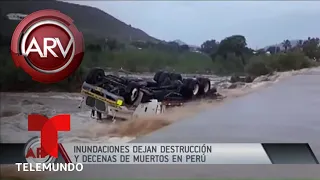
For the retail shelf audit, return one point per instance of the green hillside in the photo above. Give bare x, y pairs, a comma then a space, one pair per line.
92, 22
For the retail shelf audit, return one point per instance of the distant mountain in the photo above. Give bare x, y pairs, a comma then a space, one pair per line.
92, 22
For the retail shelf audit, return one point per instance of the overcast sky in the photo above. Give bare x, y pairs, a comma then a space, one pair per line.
262, 23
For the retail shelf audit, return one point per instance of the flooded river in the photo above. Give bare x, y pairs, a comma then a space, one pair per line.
286, 111
15, 108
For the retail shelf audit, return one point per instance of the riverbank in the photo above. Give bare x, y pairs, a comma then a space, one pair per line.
100, 132
16, 106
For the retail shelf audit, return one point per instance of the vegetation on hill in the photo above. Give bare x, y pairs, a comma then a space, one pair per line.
232, 56
111, 44
93, 22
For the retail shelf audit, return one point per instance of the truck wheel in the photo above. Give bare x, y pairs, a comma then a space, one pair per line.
132, 93
157, 76
95, 76
177, 83
175, 76
162, 77
165, 82
205, 85
195, 88
190, 88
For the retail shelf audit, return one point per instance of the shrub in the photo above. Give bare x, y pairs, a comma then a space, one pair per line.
293, 61
150, 59
230, 64
263, 64
258, 66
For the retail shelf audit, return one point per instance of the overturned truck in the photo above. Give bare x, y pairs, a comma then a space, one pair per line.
125, 97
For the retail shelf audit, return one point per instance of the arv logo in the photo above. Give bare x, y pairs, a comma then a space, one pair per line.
47, 46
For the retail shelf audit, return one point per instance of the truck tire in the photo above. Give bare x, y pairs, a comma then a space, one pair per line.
177, 83
95, 76
163, 78
205, 85
194, 85
175, 76
190, 88
132, 93
166, 82
157, 76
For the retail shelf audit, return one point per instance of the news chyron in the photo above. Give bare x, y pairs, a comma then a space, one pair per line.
73, 156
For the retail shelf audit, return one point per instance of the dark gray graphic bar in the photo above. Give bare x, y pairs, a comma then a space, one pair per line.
290, 153
11, 153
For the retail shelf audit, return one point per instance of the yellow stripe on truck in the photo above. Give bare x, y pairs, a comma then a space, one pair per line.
119, 102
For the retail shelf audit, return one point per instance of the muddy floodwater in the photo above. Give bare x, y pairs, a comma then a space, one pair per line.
284, 109
285, 112
15, 108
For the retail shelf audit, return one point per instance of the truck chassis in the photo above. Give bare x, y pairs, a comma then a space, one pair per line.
117, 97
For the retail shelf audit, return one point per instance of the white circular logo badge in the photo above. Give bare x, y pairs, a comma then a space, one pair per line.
32, 153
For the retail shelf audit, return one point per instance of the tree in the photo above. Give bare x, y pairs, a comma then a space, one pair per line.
112, 44
94, 47
150, 44
139, 44
209, 46
299, 43
273, 49
287, 45
310, 48
234, 44
298, 46
184, 47
173, 45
